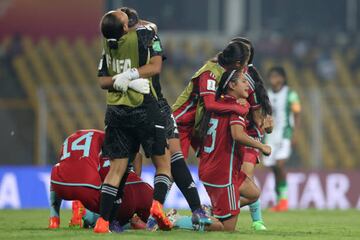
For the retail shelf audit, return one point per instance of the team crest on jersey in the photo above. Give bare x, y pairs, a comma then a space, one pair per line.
211, 85
157, 46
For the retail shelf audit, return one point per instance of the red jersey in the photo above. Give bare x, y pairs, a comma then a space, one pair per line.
204, 84
81, 150
220, 156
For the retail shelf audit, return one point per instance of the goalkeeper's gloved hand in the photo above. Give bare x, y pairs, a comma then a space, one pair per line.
122, 80
140, 85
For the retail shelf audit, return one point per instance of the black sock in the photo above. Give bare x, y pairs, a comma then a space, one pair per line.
184, 181
118, 198
108, 195
162, 184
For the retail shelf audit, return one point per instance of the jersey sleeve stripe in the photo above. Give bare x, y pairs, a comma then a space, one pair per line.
257, 106
237, 122
206, 93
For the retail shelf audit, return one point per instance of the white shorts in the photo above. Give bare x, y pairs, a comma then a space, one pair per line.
280, 150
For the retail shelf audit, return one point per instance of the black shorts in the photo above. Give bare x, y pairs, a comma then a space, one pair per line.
171, 130
127, 128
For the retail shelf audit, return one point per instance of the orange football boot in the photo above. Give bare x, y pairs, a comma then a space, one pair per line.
101, 226
54, 222
282, 206
78, 211
158, 213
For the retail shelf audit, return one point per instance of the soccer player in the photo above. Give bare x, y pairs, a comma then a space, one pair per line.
220, 153
132, 117
79, 175
286, 115
179, 169
260, 108
199, 94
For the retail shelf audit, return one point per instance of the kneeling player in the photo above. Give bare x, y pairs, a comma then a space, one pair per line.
79, 176
220, 160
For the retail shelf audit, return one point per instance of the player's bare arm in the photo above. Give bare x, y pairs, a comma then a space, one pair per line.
152, 68
148, 24
106, 83
238, 134
258, 117
297, 123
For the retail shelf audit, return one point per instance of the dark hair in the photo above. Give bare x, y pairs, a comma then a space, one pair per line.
254, 76
279, 70
248, 42
112, 29
234, 52
228, 76
132, 15
255, 80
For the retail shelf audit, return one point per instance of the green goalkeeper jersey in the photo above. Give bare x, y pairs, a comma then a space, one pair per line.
134, 50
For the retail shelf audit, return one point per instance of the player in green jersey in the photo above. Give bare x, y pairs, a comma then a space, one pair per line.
286, 116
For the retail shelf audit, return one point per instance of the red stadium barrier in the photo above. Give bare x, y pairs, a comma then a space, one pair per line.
38, 18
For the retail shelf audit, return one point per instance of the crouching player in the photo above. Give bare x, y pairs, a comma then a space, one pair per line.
79, 176
220, 154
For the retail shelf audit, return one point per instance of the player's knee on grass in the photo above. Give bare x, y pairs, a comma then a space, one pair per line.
215, 226
230, 224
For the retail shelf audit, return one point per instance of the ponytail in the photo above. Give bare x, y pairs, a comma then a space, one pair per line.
112, 43
260, 91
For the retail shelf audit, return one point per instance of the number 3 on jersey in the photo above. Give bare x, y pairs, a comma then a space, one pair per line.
212, 133
76, 146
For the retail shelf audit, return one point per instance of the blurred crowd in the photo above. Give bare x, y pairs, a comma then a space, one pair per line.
186, 55
314, 52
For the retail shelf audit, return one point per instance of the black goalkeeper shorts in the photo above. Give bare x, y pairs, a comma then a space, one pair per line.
171, 130
127, 128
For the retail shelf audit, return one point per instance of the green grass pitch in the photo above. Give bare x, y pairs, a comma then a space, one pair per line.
306, 224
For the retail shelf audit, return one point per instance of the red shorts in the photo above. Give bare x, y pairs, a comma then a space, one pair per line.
69, 185
250, 155
185, 134
89, 197
225, 200
187, 140
137, 199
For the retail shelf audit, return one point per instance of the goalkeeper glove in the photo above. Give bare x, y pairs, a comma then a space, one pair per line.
122, 80
140, 85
